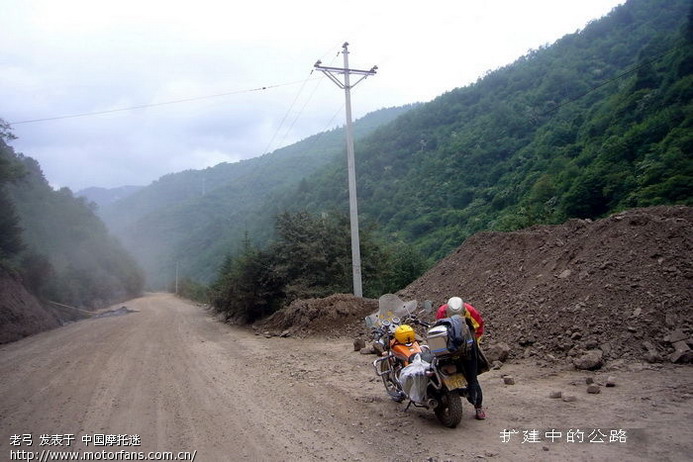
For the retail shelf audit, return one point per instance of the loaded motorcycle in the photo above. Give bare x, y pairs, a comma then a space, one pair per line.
428, 375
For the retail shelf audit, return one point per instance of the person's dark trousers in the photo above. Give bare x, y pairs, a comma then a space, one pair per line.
469, 368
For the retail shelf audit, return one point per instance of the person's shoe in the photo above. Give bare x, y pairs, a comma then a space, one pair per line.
480, 414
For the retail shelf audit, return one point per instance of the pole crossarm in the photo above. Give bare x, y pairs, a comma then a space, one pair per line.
341, 70
331, 71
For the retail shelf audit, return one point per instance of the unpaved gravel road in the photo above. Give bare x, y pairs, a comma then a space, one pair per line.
183, 381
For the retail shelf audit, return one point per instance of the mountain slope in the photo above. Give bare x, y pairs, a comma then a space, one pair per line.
599, 121
195, 218
61, 251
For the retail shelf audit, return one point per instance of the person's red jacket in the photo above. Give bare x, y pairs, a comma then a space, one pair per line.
470, 313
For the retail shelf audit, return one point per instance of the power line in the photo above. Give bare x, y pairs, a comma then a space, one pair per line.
164, 103
281, 124
329, 124
300, 112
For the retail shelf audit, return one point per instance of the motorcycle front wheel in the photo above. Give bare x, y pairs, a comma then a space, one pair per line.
449, 409
389, 369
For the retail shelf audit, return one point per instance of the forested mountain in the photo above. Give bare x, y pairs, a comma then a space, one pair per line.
599, 121
194, 219
61, 250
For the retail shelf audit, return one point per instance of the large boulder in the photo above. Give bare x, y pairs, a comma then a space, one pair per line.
682, 353
591, 360
496, 352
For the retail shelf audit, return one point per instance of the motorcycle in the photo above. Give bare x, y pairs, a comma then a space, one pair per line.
431, 373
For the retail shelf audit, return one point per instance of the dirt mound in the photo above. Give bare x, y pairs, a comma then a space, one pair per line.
334, 316
621, 285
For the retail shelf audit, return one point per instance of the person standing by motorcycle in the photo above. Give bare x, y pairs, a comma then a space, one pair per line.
470, 364
471, 314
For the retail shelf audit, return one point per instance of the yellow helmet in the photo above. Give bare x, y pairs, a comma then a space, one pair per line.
404, 334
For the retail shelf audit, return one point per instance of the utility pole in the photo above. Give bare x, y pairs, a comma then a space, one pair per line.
331, 72
176, 278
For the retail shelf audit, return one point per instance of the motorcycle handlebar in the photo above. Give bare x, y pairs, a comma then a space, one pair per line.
385, 329
421, 323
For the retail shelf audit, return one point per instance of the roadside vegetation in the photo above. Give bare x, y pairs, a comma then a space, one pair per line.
310, 258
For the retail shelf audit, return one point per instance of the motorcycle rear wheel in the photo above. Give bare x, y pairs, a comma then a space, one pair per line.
392, 386
449, 409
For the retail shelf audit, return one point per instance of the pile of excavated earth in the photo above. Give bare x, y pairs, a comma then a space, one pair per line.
334, 316
584, 291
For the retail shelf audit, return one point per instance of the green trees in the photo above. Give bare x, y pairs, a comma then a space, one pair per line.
311, 257
10, 232
312, 254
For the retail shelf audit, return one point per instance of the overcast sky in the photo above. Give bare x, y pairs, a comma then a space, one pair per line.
64, 58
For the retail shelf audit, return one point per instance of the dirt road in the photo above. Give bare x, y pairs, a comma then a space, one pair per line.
183, 382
